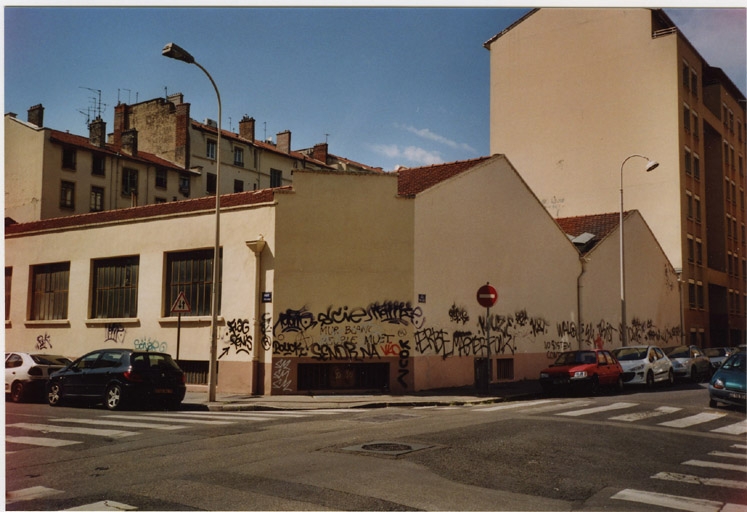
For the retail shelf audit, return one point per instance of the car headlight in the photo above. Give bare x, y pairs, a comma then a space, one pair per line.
637, 368
718, 384
544, 375
579, 375
676, 364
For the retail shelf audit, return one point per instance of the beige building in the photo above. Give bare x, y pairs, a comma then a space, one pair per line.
156, 153
341, 282
575, 92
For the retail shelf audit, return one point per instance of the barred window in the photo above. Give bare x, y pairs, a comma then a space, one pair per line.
49, 285
191, 272
68, 158
67, 195
98, 166
97, 199
129, 182
115, 285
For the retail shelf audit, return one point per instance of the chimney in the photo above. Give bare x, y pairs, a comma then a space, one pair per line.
176, 98
129, 142
120, 123
246, 128
36, 115
284, 141
320, 152
97, 132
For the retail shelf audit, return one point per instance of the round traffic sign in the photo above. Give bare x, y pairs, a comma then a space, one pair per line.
487, 295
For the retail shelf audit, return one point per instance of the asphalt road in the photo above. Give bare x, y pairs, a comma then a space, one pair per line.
633, 451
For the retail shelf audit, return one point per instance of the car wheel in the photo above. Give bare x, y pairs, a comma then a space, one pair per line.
713, 404
594, 385
694, 375
670, 378
54, 394
619, 386
17, 392
650, 380
113, 397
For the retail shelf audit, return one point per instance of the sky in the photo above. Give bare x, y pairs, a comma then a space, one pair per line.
383, 86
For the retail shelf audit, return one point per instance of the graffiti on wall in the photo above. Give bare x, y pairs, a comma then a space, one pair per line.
115, 333
281, 375
150, 345
43, 342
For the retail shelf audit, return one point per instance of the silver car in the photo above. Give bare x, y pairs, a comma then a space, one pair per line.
717, 355
689, 362
26, 374
644, 364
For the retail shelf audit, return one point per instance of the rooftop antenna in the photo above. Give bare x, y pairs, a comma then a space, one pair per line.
98, 106
265, 123
230, 126
326, 138
129, 95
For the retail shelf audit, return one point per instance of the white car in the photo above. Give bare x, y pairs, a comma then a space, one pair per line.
644, 364
26, 374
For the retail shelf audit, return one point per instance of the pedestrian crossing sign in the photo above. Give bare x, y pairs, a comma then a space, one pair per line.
181, 305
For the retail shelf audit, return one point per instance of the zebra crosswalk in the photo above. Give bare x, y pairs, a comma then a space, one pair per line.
664, 416
63, 431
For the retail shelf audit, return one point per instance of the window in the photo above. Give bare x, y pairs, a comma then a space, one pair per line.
701, 301
696, 167
694, 83
115, 283
191, 272
97, 199
685, 75
67, 195
697, 209
690, 249
238, 186
212, 180
129, 182
68, 158
688, 162
238, 157
686, 118
699, 251
691, 295
98, 167
210, 149
184, 185
276, 178
8, 281
49, 291
161, 178
689, 199
696, 125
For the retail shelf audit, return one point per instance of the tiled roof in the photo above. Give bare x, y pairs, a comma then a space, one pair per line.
145, 212
416, 180
601, 224
109, 149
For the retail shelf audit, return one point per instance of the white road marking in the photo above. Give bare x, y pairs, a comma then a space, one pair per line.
40, 427
31, 493
736, 429
697, 419
166, 417
603, 408
39, 441
513, 405
717, 465
692, 479
659, 411
104, 505
742, 456
667, 500
118, 423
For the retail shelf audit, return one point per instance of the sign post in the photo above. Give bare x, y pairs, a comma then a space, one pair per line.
181, 305
487, 296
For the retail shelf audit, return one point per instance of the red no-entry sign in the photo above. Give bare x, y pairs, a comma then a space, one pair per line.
487, 296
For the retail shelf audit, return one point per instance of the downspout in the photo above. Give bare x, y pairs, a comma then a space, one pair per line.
579, 290
257, 246
680, 284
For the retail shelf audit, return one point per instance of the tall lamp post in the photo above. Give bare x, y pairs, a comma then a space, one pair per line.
650, 166
174, 51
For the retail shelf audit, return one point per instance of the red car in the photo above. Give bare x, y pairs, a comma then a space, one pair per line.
583, 369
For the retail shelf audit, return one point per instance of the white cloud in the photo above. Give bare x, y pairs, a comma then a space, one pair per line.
412, 155
425, 133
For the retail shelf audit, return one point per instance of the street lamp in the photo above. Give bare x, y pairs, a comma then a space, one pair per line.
650, 166
174, 51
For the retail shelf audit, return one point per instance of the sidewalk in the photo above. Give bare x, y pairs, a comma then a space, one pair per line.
197, 398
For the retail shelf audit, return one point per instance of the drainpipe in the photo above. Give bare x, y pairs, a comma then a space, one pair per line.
680, 284
579, 290
256, 246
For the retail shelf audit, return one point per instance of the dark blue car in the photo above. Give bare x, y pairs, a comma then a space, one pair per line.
729, 384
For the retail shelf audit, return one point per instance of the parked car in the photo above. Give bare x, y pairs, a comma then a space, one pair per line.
689, 362
729, 384
644, 364
119, 377
717, 355
26, 374
589, 369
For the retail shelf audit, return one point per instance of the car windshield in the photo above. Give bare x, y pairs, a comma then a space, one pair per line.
714, 352
630, 353
677, 352
737, 362
580, 357
50, 359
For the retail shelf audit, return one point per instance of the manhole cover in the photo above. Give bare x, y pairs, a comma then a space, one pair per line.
387, 447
